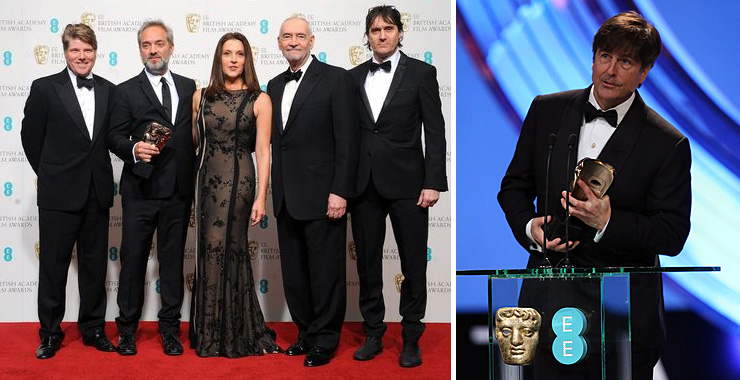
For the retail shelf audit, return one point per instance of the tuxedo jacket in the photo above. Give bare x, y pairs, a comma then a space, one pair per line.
316, 153
136, 106
390, 148
650, 196
59, 147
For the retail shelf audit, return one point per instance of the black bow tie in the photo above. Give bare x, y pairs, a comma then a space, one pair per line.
85, 82
385, 66
290, 76
591, 113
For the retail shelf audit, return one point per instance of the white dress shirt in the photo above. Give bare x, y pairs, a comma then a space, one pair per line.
86, 98
378, 83
289, 92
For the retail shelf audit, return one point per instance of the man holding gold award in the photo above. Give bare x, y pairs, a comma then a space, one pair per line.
644, 211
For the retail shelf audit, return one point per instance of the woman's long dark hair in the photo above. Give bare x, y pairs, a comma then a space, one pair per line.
249, 75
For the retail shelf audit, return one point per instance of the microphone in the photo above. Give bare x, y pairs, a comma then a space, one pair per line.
572, 140
550, 143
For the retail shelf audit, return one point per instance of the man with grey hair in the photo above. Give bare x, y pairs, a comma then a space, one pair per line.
315, 145
156, 185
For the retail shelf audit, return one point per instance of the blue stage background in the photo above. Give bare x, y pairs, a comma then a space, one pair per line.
509, 51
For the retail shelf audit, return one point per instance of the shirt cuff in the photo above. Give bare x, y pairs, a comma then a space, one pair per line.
533, 245
133, 150
600, 234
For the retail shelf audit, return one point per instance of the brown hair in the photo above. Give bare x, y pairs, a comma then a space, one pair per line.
632, 34
249, 74
81, 32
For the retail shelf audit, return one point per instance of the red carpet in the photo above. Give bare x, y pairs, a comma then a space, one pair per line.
77, 361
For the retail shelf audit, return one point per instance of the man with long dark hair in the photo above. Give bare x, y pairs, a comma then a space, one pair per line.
399, 98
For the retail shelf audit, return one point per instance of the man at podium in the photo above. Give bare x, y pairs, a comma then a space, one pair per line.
644, 213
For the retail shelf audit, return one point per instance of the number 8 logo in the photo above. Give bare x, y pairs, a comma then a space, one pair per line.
569, 324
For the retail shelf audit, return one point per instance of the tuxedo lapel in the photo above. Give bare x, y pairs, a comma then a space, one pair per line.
101, 106
66, 93
570, 124
395, 82
148, 90
310, 79
277, 111
616, 150
363, 94
180, 88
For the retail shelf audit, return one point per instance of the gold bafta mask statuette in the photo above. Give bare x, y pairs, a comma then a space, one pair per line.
157, 134
517, 333
399, 282
597, 175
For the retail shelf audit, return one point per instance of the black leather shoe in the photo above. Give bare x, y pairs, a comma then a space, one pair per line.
171, 343
48, 347
300, 347
126, 343
410, 355
318, 356
372, 346
99, 341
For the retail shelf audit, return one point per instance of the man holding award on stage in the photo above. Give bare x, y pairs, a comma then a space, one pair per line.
643, 214
151, 132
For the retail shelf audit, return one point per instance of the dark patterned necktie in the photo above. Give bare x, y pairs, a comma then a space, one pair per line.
166, 98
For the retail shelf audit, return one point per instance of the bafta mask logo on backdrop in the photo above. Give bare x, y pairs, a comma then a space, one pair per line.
255, 53
41, 54
352, 250
191, 221
88, 18
406, 20
192, 22
517, 333
356, 54
253, 246
37, 249
399, 281
190, 281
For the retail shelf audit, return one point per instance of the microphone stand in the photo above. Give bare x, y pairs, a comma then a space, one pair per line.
566, 261
550, 143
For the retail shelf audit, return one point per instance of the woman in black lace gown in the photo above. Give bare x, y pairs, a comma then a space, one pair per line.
232, 120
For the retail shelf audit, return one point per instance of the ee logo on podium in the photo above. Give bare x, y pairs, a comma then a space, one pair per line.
569, 324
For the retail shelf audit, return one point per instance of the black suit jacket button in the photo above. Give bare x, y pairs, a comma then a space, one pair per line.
283, 148
375, 131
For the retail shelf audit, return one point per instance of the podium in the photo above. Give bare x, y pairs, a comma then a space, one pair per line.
586, 323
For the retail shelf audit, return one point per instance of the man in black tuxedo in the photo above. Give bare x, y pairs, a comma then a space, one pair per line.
64, 135
646, 212
314, 152
398, 97
156, 186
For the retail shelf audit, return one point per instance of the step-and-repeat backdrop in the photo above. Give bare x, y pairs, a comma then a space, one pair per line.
30, 48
